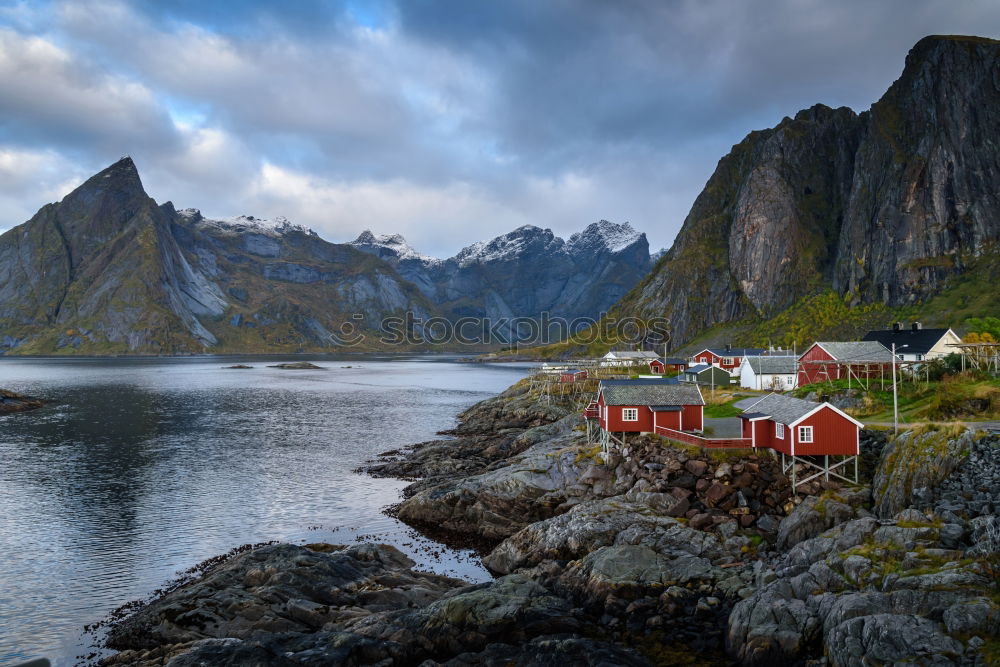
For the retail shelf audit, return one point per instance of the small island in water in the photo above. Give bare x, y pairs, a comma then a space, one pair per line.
11, 402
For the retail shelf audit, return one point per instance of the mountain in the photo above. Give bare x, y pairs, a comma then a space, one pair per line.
862, 213
525, 272
109, 271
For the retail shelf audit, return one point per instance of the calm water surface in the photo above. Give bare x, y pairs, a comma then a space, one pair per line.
141, 468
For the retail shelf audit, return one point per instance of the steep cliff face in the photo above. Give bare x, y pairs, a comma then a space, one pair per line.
526, 272
107, 270
881, 207
925, 196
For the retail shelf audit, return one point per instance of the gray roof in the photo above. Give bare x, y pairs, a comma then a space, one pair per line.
634, 354
734, 351
773, 365
645, 392
859, 351
783, 409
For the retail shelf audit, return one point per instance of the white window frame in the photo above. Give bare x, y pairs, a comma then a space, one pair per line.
728, 361
779, 431
703, 360
805, 434
630, 414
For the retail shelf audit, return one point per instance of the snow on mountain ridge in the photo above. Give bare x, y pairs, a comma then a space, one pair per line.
248, 223
395, 243
613, 236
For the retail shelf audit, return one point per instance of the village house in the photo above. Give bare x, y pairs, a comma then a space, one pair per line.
670, 364
798, 427
728, 357
916, 343
628, 357
707, 375
572, 375
833, 360
769, 373
640, 406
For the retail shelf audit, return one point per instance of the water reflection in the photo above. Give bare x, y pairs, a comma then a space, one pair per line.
142, 468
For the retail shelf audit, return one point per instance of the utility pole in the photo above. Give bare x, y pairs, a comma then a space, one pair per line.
895, 395
895, 400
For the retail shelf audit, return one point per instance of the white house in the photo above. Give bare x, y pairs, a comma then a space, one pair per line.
916, 343
769, 373
628, 358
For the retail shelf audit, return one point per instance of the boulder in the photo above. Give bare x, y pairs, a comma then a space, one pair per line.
881, 639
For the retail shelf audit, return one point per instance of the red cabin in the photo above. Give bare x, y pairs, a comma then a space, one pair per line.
834, 360
728, 358
797, 427
572, 375
640, 406
670, 365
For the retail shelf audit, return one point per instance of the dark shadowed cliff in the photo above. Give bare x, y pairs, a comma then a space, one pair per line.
882, 207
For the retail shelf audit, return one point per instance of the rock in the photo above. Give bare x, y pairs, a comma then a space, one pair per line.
701, 521
888, 639
975, 616
768, 524
696, 467
595, 524
771, 628
237, 366
630, 571
549, 651
912, 461
497, 503
280, 588
297, 366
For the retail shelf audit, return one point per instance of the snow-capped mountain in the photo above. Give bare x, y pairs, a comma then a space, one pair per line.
524, 272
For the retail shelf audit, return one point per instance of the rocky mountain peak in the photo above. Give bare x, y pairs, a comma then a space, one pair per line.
392, 246
605, 235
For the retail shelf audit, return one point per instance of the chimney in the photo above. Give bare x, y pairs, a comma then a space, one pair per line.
729, 347
896, 326
916, 326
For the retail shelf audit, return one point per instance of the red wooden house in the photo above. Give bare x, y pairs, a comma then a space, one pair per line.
572, 375
661, 366
834, 360
728, 357
796, 427
640, 406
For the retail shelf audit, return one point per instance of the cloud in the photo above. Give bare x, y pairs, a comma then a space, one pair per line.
444, 120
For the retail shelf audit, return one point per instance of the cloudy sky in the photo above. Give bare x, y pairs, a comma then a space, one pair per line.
448, 122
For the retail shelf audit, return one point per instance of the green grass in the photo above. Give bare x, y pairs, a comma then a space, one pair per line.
722, 410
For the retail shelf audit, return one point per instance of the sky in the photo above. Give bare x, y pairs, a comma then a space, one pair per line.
448, 122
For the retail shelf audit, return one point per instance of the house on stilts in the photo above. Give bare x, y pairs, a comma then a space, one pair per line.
816, 437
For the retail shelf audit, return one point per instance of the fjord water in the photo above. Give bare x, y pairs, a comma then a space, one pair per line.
140, 468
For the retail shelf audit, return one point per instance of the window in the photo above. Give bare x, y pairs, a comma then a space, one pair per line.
727, 361
790, 380
779, 431
630, 414
919, 357
703, 360
805, 434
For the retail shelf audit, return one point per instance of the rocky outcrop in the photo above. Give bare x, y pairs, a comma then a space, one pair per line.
11, 402
917, 460
288, 605
917, 587
879, 207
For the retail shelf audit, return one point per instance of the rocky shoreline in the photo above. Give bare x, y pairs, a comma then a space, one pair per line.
656, 554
